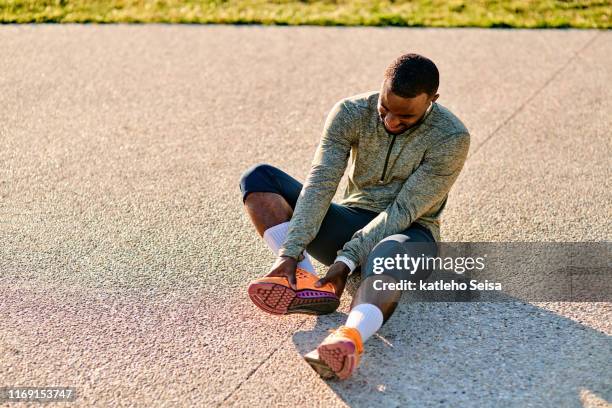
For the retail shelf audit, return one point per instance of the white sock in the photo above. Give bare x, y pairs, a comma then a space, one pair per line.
366, 318
275, 237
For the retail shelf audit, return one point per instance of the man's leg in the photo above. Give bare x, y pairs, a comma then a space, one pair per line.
371, 308
267, 210
269, 196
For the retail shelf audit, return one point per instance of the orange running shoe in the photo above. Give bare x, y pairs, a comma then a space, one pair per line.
338, 355
273, 294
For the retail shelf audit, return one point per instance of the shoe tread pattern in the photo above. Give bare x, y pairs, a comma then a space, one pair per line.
339, 356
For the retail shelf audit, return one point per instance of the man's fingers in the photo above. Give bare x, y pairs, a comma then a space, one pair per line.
292, 282
320, 282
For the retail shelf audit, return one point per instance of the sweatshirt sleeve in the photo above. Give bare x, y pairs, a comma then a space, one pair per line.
327, 168
427, 186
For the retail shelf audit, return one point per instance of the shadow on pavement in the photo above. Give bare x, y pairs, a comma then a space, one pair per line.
507, 354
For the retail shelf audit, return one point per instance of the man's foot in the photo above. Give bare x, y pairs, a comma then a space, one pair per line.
273, 294
338, 355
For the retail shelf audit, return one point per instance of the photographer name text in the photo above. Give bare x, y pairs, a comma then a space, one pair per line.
439, 285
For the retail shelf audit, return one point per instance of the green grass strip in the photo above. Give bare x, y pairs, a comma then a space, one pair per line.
403, 13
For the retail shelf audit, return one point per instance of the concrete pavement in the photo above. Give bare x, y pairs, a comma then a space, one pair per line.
124, 251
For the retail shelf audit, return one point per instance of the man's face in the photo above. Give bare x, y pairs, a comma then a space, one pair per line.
399, 114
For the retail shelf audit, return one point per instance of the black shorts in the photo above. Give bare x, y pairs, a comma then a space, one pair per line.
340, 222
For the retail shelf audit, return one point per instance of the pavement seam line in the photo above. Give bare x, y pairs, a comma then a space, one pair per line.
254, 370
536, 93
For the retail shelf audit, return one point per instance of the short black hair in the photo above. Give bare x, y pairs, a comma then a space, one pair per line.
413, 74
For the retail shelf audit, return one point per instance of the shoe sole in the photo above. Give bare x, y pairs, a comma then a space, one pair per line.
339, 357
321, 368
280, 300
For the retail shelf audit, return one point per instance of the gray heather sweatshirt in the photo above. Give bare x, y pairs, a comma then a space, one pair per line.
412, 185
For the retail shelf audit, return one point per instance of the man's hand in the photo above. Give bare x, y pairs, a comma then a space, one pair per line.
285, 267
336, 275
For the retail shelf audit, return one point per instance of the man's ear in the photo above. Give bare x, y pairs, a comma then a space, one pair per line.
435, 98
